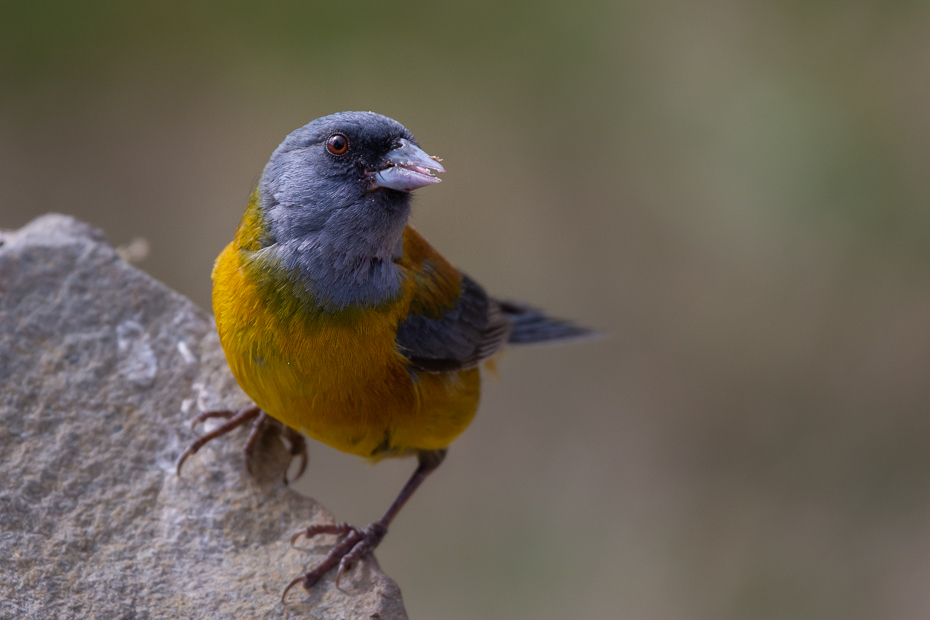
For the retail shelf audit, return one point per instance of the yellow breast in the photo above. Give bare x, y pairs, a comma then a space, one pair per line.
336, 377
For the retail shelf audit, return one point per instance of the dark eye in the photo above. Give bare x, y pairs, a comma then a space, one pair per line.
337, 144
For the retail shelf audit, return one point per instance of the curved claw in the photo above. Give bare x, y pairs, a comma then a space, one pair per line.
368, 542
190, 450
294, 583
298, 448
334, 555
343, 567
304, 459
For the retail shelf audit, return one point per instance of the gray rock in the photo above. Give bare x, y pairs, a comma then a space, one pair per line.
101, 371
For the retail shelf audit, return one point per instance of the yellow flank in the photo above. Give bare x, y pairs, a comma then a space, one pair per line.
337, 377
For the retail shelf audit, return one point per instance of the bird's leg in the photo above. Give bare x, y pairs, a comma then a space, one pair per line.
359, 541
234, 419
255, 434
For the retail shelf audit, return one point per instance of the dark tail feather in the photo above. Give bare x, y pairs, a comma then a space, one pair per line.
530, 325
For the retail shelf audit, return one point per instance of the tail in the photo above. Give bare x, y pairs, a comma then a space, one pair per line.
531, 325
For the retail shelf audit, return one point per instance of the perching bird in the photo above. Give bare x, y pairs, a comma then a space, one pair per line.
340, 321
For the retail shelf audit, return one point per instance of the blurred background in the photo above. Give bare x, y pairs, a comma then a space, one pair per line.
737, 192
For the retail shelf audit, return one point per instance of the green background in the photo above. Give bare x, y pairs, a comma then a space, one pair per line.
737, 192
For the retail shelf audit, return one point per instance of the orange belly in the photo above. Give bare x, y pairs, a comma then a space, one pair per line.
334, 377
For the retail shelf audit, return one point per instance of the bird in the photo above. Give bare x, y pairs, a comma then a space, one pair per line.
343, 324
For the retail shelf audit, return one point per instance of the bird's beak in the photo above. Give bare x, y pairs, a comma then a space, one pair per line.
405, 169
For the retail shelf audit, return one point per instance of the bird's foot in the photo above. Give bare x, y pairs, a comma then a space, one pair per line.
260, 421
355, 543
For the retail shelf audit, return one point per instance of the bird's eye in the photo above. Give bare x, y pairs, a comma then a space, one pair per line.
337, 144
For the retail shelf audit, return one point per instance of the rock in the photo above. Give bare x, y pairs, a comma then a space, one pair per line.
101, 371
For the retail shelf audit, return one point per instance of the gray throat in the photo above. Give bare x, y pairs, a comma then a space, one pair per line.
344, 257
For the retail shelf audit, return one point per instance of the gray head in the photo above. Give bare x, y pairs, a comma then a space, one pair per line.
335, 200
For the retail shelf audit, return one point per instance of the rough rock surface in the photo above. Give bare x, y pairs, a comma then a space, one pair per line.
101, 371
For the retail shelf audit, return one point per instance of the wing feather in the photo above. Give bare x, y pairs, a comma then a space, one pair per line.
470, 332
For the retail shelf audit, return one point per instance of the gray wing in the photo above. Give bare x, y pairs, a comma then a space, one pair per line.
473, 330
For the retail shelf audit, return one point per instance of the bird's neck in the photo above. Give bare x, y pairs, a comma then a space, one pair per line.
347, 262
